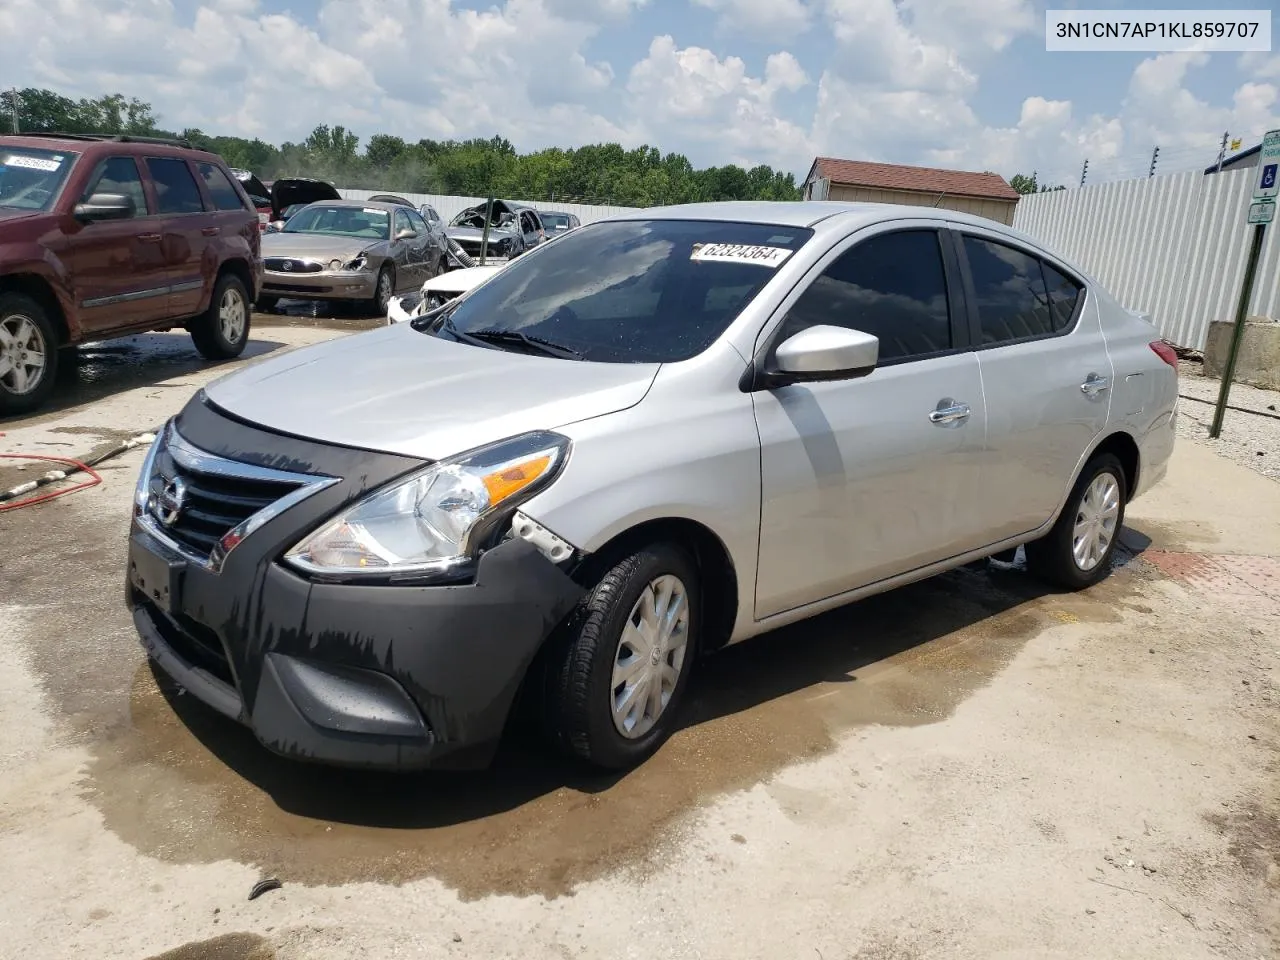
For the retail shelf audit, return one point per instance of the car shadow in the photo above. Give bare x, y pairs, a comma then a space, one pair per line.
92, 371
830, 648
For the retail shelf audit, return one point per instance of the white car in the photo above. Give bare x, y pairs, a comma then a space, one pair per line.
438, 291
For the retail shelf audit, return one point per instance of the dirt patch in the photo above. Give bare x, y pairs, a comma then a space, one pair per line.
182, 784
229, 946
1253, 842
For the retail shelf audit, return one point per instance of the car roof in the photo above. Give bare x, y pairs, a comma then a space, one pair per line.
101, 143
375, 204
802, 213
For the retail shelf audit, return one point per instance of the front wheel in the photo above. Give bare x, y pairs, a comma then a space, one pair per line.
1077, 552
221, 332
28, 354
383, 287
620, 668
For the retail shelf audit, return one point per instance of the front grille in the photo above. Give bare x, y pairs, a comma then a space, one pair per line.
208, 504
472, 248
290, 265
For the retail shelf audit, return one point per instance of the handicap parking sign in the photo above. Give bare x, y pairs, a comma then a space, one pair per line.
1267, 184
1268, 176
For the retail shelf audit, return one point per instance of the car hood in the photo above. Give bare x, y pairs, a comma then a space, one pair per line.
12, 213
397, 390
460, 281
290, 190
322, 245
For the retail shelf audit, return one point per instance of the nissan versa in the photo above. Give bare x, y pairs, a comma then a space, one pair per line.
660, 434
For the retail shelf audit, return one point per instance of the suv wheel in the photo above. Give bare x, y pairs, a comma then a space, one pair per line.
28, 354
383, 288
619, 672
221, 332
1077, 552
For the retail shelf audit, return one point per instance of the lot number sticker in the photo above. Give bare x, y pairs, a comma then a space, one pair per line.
772, 257
33, 163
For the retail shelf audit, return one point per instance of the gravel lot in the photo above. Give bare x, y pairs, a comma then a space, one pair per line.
1249, 440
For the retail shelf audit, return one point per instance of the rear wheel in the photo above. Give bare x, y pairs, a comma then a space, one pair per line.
620, 668
28, 354
1077, 552
221, 332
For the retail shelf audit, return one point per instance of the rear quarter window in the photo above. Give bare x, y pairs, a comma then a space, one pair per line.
221, 192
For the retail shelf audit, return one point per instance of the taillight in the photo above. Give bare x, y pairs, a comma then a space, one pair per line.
1165, 353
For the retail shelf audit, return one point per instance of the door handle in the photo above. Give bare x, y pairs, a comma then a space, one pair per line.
209, 231
149, 237
1094, 385
949, 411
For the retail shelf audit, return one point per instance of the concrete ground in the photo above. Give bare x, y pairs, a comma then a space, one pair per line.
966, 768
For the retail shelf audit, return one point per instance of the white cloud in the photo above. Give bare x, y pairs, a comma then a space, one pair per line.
763, 19
972, 28
709, 100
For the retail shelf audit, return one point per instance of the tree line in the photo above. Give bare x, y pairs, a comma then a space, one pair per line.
601, 173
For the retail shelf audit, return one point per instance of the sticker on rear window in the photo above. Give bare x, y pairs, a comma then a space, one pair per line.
33, 163
373, 210
772, 257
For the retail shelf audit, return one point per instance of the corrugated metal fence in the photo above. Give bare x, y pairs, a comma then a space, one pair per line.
448, 206
1171, 246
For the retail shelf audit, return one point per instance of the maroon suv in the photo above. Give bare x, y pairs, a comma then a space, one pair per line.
104, 236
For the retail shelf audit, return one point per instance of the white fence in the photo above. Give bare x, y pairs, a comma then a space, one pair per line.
1172, 246
448, 206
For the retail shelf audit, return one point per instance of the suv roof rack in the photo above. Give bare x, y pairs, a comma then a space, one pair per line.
114, 138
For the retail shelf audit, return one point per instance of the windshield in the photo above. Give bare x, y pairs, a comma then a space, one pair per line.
30, 179
632, 291
554, 221
364, 223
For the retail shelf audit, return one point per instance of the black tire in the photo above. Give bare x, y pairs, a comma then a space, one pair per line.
214, 338
1052, 558
383, 289
266, 304
578, 706
21, 316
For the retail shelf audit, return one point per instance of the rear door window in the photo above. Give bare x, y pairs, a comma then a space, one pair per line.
1010, 293
221, 192
402, 222
1064, 294
119, 175
892, 286
417, 222
176, 190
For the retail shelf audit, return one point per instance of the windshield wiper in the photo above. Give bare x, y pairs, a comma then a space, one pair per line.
546, 347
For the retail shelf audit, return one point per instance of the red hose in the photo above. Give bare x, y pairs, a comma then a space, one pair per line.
93, 480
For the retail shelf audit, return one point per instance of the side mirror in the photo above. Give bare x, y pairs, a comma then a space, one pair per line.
823, 353
105, 206
406, 234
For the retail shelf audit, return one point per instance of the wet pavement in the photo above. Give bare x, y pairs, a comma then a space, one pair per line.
956, 706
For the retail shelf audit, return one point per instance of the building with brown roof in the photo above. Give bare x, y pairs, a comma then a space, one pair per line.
983, 194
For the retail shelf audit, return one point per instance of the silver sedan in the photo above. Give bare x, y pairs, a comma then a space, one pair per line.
349, 250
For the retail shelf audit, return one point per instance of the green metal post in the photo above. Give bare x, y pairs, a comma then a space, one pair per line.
1237, 334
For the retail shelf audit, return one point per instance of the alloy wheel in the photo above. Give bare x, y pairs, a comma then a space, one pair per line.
1096, 518
650, 656
22, 354
232, 313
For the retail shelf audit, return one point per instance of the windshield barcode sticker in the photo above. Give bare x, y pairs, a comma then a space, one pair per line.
32, 163
772, 257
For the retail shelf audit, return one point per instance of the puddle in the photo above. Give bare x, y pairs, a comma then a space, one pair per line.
182, 784
1186, 536
229, 946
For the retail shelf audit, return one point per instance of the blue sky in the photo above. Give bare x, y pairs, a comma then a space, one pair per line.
962, 83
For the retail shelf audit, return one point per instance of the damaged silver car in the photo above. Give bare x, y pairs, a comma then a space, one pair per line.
349, 250
513, 228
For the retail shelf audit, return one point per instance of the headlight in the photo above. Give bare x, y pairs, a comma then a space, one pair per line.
431, 523
358, 263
